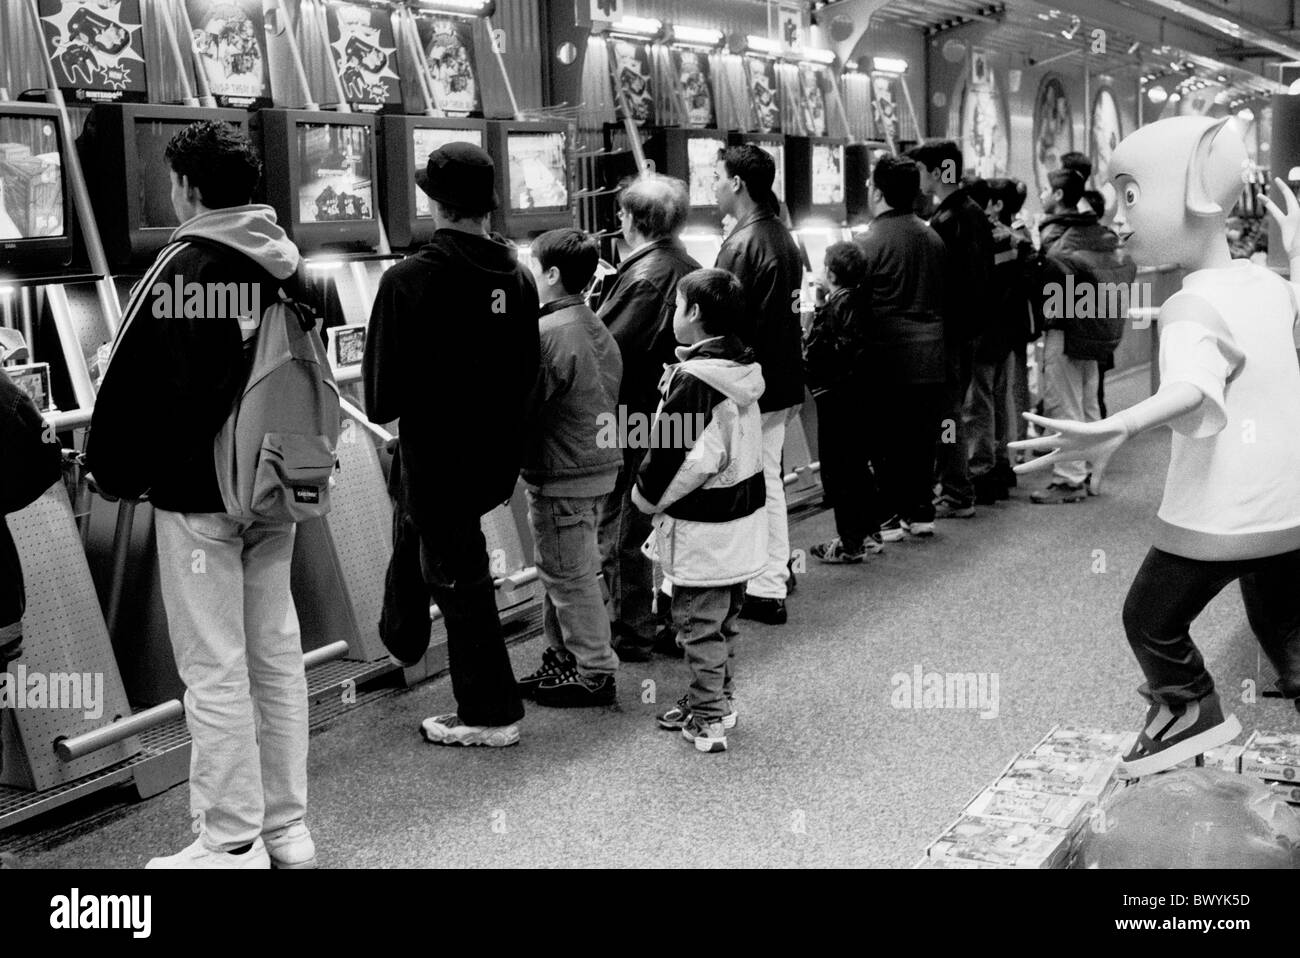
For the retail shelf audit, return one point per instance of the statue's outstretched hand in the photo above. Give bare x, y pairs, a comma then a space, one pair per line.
1288, 222
1070, 441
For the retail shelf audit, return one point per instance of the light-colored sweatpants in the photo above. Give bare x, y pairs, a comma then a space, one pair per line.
770, 583
234, 632
1069, 392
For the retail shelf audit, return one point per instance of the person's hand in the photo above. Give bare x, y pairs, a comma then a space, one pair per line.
1288, 222
1071, 441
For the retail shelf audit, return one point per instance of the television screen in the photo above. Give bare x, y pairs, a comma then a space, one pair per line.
538, 171
31, 178
424, 142
777, 152
701, 164
827, 174
155, 183
335, 180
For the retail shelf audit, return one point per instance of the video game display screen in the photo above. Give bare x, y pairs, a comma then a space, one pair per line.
538, 171
335, 179
827, 174
777, 152
701, 165
31, 178
424, 142
154, 182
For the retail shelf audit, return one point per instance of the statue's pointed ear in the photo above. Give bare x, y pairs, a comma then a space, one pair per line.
1199, 200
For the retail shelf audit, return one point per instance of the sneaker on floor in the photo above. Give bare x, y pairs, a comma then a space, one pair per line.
836, 552
573, 690
767, 611
891, 530
199, 855
291, 847
554, 662
919, 530
708, 735
450, 730
1173, 735
947, 509
1059, 492
676, 717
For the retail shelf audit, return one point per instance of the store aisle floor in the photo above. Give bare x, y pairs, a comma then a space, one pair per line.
822, 770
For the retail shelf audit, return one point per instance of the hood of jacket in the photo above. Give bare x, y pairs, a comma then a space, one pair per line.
473, 252
728, 366
251, 230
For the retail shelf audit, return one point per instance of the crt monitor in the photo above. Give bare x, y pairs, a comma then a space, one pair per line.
815, 178
35, 215
130, 185
407, 142
690, 155
532, 175
320, 177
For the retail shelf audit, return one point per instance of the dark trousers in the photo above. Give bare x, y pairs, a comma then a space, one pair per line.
843, 447
1170, 591
904, 417
953, 457
453, 557
628, 574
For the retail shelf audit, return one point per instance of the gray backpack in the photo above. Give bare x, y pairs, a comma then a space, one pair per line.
275, 455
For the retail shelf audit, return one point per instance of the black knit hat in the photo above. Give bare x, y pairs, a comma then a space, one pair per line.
460, 175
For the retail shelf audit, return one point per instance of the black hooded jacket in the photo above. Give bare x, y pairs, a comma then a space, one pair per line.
453, 352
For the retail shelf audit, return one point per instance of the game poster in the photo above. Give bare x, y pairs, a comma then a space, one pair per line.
96, 48
31, 179
813, 106
827, 174
229, 44
982, 121
632, 61
1106, 134
762, 91
696, 85
1053, 128
702, 162
884, 109
335, 173
448, 44
365, 55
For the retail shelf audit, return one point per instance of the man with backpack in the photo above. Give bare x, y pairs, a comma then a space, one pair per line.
174, 380
1083, 282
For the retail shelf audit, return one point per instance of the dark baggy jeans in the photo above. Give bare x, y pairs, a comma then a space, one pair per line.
1169, 592
904, 419
453, 557
953, 457
844, 449
629, 575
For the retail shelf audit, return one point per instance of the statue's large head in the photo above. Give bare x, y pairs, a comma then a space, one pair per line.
1177, 179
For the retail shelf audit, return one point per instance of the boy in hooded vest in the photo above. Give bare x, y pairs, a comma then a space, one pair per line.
1230, 391
703, 482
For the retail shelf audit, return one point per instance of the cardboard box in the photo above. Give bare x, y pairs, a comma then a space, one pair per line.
1008, 844
1035, 808
1272, 756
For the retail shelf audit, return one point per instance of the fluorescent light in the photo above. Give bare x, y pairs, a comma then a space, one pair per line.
7, 291
1134, 48
763, 45
702, 35
324, 264
638, 26
888, 65
853, 65
457, 6
815, 54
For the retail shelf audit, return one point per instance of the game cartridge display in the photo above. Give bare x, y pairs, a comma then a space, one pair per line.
1010, 844
1273, 756
1055, 775
1086, 741
953, 863
1035, 808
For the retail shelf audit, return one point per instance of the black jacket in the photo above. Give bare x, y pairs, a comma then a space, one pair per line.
1093, 319
1011, 318
31, 465
638, 309
968, 236
762, 254
453, 353
172, 381
834, 348
902, 292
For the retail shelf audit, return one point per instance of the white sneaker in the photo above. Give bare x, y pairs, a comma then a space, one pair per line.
291, 847
919, 529
199, 855
449, 730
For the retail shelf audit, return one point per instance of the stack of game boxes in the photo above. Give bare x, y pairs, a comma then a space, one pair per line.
1271, 757
1035, 813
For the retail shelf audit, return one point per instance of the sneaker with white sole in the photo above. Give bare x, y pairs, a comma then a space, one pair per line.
707, 735
199, 855
919, 530
891, 530
291, 847
836, 552
450, 730
676, 717
1175, 734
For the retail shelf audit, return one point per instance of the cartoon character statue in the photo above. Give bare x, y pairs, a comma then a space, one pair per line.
1230, 390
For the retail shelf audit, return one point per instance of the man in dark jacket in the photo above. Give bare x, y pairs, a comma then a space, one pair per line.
453, 353
172, 381
761, 253
906, 364
638, 309
968, 237
30, 452
1085, 281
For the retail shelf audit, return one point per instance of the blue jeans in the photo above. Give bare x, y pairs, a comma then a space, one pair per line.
706, 620
568, 562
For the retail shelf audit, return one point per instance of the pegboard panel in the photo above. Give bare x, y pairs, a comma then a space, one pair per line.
64, 634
